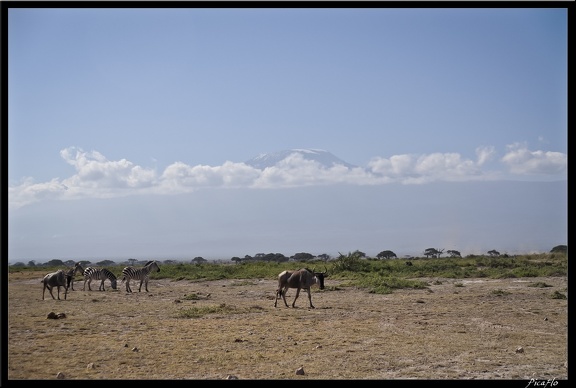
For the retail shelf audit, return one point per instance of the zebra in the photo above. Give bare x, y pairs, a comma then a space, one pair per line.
91, 273
141, 274
70, 275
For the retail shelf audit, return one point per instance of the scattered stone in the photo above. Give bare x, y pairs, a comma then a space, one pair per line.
90, 366
135, 349
60, 376
231, 377
520, 349
300, 371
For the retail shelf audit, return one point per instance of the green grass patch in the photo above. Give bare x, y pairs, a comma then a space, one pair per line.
200, 311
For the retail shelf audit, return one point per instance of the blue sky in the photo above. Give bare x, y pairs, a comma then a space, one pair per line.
114, 114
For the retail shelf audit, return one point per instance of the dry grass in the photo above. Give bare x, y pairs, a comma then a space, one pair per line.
455, 329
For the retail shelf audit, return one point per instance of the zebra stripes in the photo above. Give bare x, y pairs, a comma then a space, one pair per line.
142, 274
91, 273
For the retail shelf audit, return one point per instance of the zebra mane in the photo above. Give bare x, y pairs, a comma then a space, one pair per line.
148, 263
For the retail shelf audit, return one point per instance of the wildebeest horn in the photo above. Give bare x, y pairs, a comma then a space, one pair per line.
325, 270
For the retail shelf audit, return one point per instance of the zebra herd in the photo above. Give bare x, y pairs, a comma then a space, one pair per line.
66, 279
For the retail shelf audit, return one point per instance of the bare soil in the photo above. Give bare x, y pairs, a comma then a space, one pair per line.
456, 329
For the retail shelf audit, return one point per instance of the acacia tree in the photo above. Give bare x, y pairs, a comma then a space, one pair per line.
103, 263
493, 253
302, 256
386, 255
433, 252
453, 253
559, 249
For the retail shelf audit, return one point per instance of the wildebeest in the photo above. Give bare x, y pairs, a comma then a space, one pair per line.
70, 275
55, 279
301, 279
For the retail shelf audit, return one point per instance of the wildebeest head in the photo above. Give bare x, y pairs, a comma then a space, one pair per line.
319, 276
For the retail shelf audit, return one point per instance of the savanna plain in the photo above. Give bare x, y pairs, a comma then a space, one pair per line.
455, 328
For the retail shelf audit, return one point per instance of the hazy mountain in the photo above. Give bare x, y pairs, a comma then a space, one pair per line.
325, 158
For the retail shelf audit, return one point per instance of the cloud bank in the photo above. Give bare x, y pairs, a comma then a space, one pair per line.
97, 177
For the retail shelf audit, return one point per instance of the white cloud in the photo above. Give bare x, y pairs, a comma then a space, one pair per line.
522, 161
180, 177
94, 171
414, 169
295, 171
484, 154
98, 177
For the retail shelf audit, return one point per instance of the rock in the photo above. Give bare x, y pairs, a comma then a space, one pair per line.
300, 371
520, 349
60, 376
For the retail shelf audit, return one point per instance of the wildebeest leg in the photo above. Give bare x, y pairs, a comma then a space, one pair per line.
278, 292
65, 292
296, 297
49, 289
283, 293
310, 298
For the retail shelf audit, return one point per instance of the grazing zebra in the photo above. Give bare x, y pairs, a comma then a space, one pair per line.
91, 273
141, 274
70, 275
54, 279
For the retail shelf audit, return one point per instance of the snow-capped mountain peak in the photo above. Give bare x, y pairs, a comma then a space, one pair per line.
325, 158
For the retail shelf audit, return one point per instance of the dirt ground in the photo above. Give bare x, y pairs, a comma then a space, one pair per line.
456, 329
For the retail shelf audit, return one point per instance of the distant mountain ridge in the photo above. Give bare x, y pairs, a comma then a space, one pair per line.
325, 158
